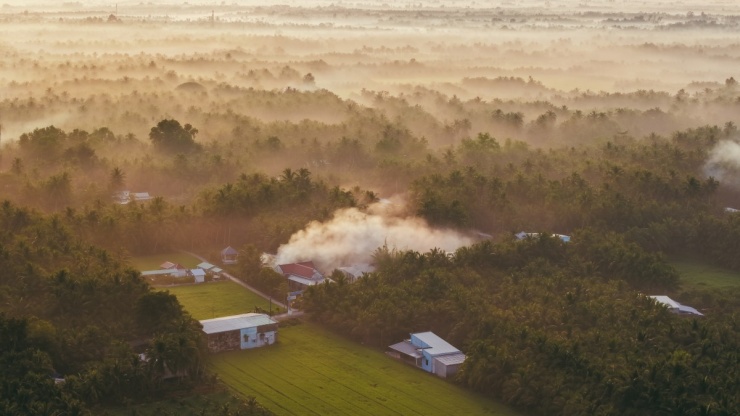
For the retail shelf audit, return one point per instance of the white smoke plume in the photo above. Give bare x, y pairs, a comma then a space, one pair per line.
352, 237
724, 163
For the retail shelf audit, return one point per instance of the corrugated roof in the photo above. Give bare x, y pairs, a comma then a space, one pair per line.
230, 251
689, 309
174, 272
304, 281
451, 359
198, 272
235, 322
205, 266
405, 347
305, 270
665, 300
434, 344
672, 304
359, 269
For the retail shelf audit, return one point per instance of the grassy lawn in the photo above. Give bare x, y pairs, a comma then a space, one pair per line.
211, 300
311, 371
153, 262
699, 274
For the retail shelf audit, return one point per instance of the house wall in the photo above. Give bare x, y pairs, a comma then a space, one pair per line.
223, 341
257, 336
427, 362
443, 370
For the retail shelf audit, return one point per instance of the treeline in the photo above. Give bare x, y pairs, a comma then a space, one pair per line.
654, 191
73, 311
550, 327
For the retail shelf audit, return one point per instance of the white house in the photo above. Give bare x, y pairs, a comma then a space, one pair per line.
249, 330
675, 307
430, 353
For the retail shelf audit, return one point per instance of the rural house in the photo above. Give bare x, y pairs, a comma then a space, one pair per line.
229, 255
430, 353
170, 265
300, 275
249, 330
675, 307
210, 269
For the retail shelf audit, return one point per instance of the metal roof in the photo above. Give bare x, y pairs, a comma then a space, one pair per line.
235, 322
435, 345
358, 270
304, 281
451, 359
205, 266
672, 304
174, 272
665, 300
689, 309
229, 251
405, 347
197, 272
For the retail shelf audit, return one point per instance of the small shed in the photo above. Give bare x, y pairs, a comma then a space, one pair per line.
229, 255
205, 266
246, 331
198, 274
429, 352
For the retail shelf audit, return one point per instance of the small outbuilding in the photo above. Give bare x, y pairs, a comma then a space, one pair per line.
229, 255
198, 274
430, 353
246, 331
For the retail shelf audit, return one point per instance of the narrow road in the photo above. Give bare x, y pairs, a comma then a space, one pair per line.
241, 283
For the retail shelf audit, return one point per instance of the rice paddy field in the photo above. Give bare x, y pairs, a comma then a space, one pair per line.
212, 300
311, 371
696, 273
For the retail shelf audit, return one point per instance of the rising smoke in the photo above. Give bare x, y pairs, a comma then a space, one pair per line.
352, 236
724, 163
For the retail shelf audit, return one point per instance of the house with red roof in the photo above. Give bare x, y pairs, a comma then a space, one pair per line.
300, 275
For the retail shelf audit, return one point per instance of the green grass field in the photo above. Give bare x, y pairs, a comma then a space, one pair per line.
699, 274
211, 300
311, 371
153, 262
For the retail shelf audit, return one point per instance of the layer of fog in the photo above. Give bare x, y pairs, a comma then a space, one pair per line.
353, 236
